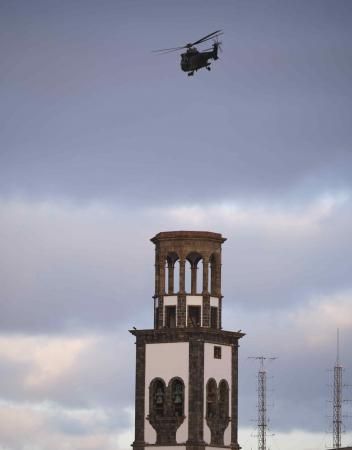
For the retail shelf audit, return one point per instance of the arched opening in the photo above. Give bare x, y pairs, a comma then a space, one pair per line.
195, 284
177, 276
211, 398
177, 396
188, 276
157, 397
223, 399
199, 282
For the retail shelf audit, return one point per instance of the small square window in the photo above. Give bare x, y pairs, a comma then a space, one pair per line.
217, 352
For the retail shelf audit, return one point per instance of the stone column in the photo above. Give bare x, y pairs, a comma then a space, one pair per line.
205, 276
181, 310
161, 311
170, 278
206, 310
234, 397
196, 395
220, 314
218, 277
162, 276
194, 280
139, 443
157, 271
182, 276
213, 276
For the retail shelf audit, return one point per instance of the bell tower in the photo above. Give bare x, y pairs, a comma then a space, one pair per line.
187, 366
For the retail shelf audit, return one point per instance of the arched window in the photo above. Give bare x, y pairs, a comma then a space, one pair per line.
223, 399
194, 280
177, 396
199, 282
205, 276
188, 277
211, 398
157, 397
166, 409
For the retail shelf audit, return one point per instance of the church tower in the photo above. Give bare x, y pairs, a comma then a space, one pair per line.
187, 366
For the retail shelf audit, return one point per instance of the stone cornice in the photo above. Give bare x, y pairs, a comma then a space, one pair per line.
209, 335
170, 235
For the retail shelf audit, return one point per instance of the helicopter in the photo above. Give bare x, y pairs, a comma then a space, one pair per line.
192, 59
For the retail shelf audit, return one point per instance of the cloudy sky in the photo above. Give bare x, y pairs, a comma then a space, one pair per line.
103, 144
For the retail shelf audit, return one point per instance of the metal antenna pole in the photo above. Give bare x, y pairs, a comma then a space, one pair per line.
262, 422
262, 408
337, 401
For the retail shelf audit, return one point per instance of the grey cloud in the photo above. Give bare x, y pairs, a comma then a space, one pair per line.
12, 376
288, 266
47, 426
65, 271
99, 376
93, 266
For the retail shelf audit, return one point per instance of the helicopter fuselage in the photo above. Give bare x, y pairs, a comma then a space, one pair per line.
193, 60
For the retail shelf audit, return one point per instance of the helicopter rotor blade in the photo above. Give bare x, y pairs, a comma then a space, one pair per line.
211, 38
167, 50
213, 35
205, 38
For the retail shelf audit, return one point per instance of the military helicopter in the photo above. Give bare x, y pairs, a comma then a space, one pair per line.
193, 60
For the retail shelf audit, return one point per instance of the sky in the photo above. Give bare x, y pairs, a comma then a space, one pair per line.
103, 144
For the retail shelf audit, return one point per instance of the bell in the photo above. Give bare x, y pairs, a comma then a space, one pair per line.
159, 397
178, 398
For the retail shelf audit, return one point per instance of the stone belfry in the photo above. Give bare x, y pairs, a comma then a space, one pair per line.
187, 366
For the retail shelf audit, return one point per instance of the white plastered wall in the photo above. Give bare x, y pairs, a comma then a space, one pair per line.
166, 361
219, 369
214, 301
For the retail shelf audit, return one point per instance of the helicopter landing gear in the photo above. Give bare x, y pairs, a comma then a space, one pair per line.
190, 74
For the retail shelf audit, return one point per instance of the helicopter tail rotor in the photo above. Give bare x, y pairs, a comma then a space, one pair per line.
216, 48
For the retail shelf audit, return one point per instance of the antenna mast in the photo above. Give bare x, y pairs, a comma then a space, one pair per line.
262, 420
337, 401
